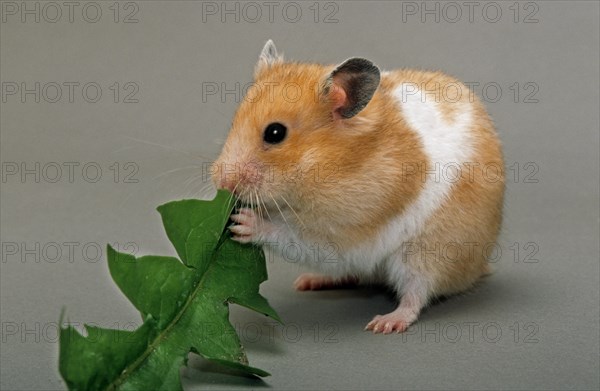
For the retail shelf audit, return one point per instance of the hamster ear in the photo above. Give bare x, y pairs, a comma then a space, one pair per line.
351, 86
268, 56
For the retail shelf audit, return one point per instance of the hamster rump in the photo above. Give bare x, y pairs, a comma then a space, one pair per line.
388, 177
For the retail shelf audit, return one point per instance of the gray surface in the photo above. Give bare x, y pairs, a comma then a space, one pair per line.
169, 53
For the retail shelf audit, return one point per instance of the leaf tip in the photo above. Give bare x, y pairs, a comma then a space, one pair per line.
61, 318
110, 251
275, 316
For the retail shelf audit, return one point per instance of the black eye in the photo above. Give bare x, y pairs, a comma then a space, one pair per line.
274, 133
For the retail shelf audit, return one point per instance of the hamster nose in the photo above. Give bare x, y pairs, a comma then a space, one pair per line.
240, 179
228, 185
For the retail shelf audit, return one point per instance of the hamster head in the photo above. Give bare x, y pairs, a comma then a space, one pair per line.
296, 134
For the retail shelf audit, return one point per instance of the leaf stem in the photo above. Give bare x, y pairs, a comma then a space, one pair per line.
161, 335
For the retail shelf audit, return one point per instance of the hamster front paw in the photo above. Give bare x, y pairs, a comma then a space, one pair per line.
249, 227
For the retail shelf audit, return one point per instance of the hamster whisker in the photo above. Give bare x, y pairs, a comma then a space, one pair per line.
233, 197
264, 206
280, 211
229, 199
126, 198
201, 158
258, 208
203, 193
188, 183
292, 209
174, 170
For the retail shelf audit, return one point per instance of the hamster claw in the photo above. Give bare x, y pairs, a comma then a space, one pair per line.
386, 324
248, 226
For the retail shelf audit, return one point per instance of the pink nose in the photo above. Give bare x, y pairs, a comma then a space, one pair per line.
227, 185
239, 178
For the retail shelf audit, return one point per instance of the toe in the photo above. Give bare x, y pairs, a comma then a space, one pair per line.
301, 285
311, 281
240, 218
303, 282
248, 212
387, 324
242, 238
388, 327
241, 230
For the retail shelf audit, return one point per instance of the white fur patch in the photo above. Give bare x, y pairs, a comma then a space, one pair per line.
447, 146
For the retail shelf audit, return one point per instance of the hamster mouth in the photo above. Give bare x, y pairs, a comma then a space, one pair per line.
255, 199
248, 198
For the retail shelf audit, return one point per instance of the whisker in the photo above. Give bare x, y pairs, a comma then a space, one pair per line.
292, 209
229, 199
280, 212
264, 206
232, 195
203, 192
174, 170
126, 198
190, 155
249, 201
185, 193
258, 206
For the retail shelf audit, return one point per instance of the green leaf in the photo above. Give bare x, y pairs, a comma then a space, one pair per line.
155, 285
195, 227
184, 305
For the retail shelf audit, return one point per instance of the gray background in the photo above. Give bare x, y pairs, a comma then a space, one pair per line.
531, 325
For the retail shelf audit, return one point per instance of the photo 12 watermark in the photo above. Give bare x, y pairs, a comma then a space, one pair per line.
69, 92
270, 11
469, 11
489, 332
60, 251
69, 11
271, 332
69, 172
451, 252
470, 172
49, 332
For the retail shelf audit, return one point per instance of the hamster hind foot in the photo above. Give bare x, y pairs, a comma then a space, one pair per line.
315, 282
413, 299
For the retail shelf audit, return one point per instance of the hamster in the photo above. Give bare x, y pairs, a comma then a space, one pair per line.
391, 178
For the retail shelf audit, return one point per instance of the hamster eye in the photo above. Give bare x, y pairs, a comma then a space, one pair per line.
274, 133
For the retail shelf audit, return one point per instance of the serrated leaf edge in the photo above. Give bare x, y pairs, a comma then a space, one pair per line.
163, 333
